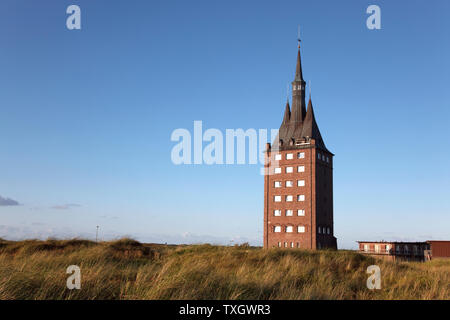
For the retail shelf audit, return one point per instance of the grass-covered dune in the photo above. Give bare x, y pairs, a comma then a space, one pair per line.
127, 269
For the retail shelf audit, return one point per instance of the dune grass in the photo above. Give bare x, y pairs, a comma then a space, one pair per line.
127, 269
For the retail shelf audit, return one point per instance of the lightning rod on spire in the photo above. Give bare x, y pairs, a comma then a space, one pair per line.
298, 36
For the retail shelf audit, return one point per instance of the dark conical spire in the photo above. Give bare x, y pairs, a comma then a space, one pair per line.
287, 113
310, 127
298, 69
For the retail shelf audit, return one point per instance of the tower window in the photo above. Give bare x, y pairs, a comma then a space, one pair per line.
289, 228
278, 156
300, 183
289, 156
301, 229
277, 184
319, 230
289, 169
328, 230
277, 170
277, 229
300, 155
328, 160
301, 212
319, 156
277, 213
289, 183
301, 169
301, 197
277, 198
289, 213
289, 198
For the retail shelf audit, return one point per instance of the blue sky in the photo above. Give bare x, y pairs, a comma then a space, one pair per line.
86, 115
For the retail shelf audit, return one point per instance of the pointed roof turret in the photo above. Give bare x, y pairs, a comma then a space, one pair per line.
310, 127
298, 69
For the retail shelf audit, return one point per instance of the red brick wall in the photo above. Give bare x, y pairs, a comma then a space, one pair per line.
318, 204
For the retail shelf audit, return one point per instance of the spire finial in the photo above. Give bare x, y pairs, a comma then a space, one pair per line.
287, 92
309, 86
298, 36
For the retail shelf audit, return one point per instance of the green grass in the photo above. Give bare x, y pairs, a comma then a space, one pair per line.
127, 269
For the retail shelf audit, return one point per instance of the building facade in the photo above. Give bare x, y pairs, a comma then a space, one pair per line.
298, 181
396, 251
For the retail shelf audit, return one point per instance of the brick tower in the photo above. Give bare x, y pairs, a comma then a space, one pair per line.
298, 181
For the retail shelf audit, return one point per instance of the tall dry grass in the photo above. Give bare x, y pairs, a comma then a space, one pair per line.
127, 269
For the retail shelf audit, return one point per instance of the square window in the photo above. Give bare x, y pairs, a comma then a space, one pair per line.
301, 212
277, 198
289, 228
301, 197
277, 170
289, 213
300, 155
277, 229
289, 156
278, 156
289, 169
301, 169
301, 229
300, 183
277, 213
277, 184
289, 183
289, 198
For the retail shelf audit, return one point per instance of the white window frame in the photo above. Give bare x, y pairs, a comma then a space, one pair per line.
301, 197
301, 169
289, 169
289, 156
277, 170
289, 198
289, 229
300, 183
289, 183
289, 212
277, 198
277, 213
277, 229
301, 229
300, 155
301, 212
278, 184
278, 156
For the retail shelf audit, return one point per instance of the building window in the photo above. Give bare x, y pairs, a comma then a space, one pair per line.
277, 184
277, 229
285, 244
328, 231
277, 198
298, 244
289, 213
292, 244
289, 198
300, 155
377, 248
278, 156
319, 230
289, 228
279, 244
319, 156
289, 156
301, 229
289, 169
289, 183
300, 183
301, 169
366, 248
277, 213
328, 160
301, 197
301, 212
278, 170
